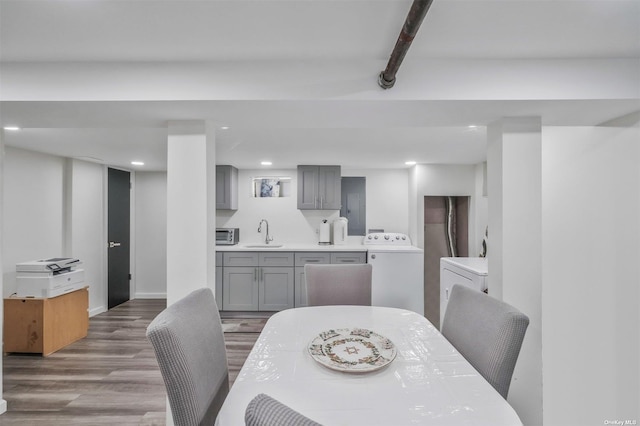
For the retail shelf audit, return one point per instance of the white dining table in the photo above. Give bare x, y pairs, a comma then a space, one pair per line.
428, 382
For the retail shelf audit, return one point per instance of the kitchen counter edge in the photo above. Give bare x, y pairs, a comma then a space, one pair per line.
295, 247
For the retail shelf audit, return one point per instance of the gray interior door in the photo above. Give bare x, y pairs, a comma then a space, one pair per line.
354, 204
119, 235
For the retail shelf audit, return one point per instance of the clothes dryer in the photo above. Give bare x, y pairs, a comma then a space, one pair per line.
468, 271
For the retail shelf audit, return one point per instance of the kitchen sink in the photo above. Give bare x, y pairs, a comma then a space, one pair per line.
263, 245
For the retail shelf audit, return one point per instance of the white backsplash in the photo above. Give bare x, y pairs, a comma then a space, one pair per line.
387, 207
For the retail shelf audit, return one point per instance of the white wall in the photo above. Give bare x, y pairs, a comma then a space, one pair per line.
86, 228
149, 274
3, 403
514, 251
190, 208
591, 275
387, 207
54, 207
481, 216
32, 210
387, 198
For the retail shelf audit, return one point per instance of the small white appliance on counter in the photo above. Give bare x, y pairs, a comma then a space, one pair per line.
468, 271
340, 230
324, 234
48, 277
398, 271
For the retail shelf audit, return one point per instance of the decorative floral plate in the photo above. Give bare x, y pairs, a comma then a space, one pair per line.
353, 350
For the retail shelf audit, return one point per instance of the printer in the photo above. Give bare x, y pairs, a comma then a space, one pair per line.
49, 277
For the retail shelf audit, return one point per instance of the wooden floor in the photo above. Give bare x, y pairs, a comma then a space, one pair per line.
109, 378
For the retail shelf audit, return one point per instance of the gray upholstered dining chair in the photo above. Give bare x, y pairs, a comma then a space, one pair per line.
189, 346
338, 284
487, 332
266, 411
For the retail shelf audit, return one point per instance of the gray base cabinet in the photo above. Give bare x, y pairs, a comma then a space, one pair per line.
240, 288
301, 288
301, 259
276, 288
349, 257
270, 281
257, 281
218, 292
304, 258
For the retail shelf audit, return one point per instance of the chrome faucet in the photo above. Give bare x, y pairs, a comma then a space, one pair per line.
267, 238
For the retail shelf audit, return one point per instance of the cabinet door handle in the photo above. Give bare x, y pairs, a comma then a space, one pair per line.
261, 274
255, 274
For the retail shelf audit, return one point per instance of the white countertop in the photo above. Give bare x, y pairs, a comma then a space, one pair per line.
292, 247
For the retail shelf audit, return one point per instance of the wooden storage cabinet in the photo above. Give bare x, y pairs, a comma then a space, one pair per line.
44, 325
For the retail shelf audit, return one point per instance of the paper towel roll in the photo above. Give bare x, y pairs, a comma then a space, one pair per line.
325, 233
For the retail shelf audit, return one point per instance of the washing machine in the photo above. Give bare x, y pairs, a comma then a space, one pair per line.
468, 271
397, 274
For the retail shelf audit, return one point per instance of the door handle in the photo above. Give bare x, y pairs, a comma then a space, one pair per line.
113, 244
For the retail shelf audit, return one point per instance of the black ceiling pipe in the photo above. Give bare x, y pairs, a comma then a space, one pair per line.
416, 14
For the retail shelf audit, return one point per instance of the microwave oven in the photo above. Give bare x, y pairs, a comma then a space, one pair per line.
227, 236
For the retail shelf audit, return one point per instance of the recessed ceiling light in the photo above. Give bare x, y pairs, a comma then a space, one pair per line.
472, 127
137, 163
225, 127
410, 163
266, 163
12, 128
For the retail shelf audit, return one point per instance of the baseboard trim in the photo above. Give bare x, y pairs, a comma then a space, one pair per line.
96, 311
150, 296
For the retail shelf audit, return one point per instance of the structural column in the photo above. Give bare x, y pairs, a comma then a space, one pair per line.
190, 208
3, 403
514, 179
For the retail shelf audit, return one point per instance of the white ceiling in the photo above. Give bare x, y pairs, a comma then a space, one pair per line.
297, 130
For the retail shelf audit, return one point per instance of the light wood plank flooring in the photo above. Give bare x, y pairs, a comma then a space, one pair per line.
109, 378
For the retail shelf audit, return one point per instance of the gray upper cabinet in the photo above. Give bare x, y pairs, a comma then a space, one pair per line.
319, 188
226, 188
